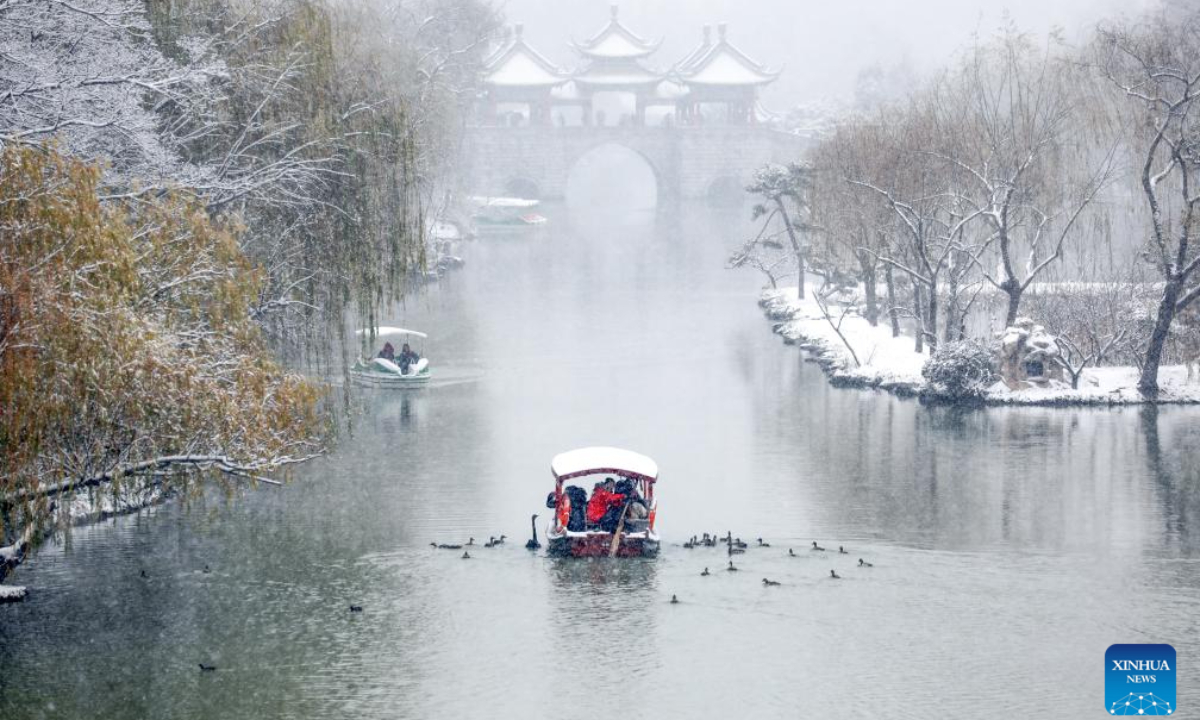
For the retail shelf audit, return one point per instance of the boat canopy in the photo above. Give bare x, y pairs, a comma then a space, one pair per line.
596, 460
385, 330
504, 202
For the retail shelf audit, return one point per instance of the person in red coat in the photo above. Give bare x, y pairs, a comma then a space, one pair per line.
605, 506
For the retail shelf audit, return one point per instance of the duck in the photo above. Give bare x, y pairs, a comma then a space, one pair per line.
445, 546
706, 573
834, 576
864, 563
466, 555
737, 542
689, 545
490, 543
533, 543
731, 568
842, 550
792, 553
470, 541
355, 608
207, 668
763, 544
500, 540
144, 574
206, 569
817, 547
770, 583
674, 600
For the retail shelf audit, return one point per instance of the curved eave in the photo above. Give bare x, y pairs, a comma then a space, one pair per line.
542, 85
752, 83
645, 50
618, 82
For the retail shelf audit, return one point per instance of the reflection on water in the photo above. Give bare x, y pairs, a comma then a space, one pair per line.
1011, 546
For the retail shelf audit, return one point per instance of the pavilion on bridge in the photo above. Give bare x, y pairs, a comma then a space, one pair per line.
716, 83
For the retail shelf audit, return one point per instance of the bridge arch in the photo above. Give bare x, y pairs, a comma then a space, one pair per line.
685, 162
726, 190
624, 173
522, 186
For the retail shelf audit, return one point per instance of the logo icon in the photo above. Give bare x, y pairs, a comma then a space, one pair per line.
1139, 680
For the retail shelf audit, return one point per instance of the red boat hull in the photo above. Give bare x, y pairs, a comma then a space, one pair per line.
600, 544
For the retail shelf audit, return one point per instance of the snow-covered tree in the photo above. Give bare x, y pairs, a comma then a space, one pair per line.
781, 191
127, 349
1155, 64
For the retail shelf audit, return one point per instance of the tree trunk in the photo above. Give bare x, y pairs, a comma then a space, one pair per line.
932, 315
952, 309
1014, 291
918, 313
893, 313
1148, 382
868, 273
791, 231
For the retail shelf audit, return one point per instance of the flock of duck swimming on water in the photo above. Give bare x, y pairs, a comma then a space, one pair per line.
492, 542
735, 546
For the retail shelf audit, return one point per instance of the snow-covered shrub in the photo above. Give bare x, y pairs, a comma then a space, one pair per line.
960, 369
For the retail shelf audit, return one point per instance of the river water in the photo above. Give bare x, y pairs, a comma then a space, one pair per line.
1010, 546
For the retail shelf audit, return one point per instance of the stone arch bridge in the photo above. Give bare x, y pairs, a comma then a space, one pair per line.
688, 162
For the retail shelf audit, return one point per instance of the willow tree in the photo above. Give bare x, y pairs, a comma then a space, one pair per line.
1012, 129
127, 349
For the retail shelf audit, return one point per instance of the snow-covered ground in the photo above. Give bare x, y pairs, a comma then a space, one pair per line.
891, 363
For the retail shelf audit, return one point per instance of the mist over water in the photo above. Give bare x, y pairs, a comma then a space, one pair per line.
612, 179
1011, 546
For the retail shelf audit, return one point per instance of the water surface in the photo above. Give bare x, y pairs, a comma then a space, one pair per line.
1011, 545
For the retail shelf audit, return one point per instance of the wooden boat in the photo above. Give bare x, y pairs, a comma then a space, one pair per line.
632, 537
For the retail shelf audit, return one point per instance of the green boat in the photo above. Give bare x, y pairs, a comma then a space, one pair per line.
388, 372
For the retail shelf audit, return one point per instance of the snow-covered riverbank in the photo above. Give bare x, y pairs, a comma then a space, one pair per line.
890, 363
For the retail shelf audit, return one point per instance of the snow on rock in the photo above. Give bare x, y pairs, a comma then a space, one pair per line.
12, 593
1030, 357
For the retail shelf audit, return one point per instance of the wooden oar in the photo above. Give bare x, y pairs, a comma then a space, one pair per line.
616, 541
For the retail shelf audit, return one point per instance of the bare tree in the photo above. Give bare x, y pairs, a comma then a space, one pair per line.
1155, 65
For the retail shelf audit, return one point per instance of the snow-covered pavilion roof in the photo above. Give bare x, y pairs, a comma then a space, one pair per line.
626, 75
596, 460
698, 52
517, 64
722, 64
616, 42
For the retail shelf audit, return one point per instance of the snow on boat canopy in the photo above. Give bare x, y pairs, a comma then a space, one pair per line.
596, 460
504, 202
387, 330
501, 211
